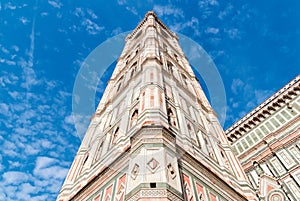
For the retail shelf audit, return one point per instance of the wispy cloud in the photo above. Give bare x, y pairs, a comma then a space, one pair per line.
116, 31
29, 125
122, 2
227, 10
237, 85
86, 17
55, 4
212, 30
168, 10
233, 33
132, 9
206, 3
91, 27
193, 24
207, 7
24, 20
243, 93
10, 6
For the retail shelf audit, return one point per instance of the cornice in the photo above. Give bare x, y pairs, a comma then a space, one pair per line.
275, 102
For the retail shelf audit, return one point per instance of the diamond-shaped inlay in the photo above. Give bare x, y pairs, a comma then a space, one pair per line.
153, 164
135, 171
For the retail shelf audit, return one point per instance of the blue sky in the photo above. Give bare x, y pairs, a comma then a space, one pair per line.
254, 44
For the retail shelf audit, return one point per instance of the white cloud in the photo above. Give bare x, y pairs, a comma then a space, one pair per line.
31, 150
46, 144
261, 95
207, 7
47, 168
15, 48
4, 50
88, 24
29, 78
10, 6
92, 14
233, 33
132, 10
91, 27
116, 31
10, 63
4, 109
14, 164
168, 10
206, 3
34, 124
81, 123
212, 30
55, 4
44, 14
193, 23
15, 177
25, 190
225, 12
235, 105
122, 2
236, 85
24, 20
69, 119
78, 12
44, 161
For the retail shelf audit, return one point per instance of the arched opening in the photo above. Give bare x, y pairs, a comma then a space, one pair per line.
131, 74
133, 118
99, 150
184, 78
133, 69
171, 117
170, 67
119, 83
115, 135
176, 57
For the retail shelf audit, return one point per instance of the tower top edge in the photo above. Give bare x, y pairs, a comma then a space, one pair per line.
147, 15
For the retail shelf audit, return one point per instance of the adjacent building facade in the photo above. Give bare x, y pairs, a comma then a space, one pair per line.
267, 143
154, 135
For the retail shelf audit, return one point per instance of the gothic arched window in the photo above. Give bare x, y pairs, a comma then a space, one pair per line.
133, 118
171, 117
115, 135
184, 78
170, 67
132, 72
99, 150
176, 57
119, 83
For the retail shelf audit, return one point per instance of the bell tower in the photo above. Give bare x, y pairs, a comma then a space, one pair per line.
154, 135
